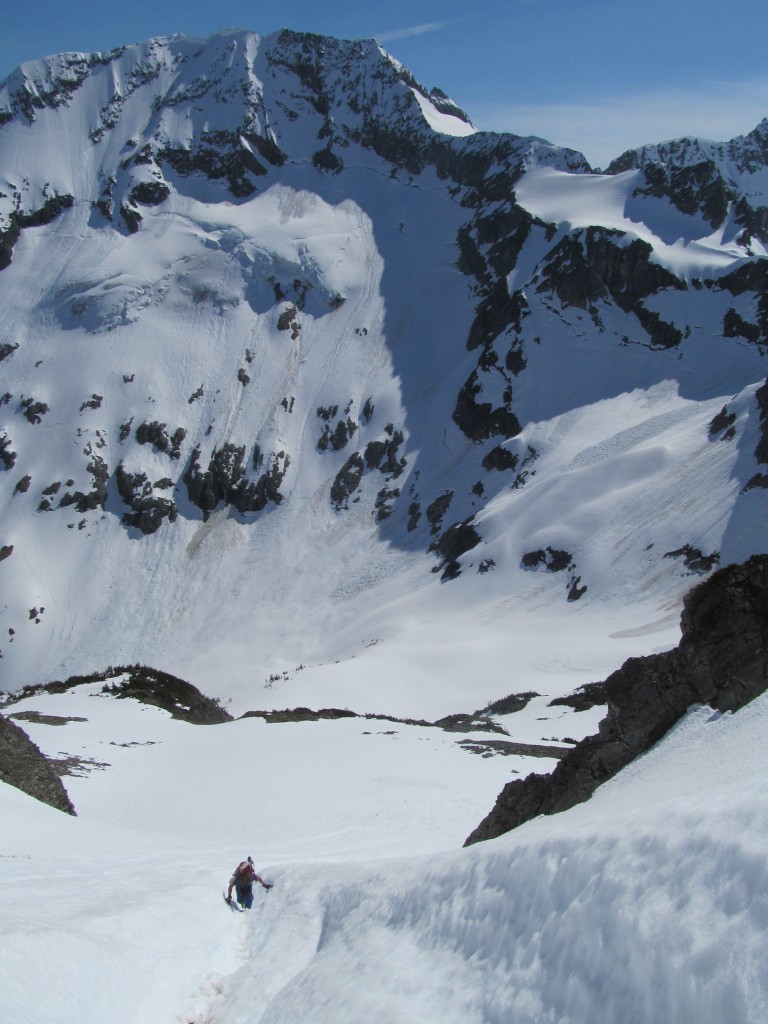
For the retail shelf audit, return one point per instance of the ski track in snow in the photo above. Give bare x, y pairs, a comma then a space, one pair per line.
641, 906
648, 903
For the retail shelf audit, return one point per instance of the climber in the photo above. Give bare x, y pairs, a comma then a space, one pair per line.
242, 881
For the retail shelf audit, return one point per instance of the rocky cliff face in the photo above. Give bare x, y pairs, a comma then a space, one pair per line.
24, 766
722, 661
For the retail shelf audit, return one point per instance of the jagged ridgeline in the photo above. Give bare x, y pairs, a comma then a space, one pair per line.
274, 299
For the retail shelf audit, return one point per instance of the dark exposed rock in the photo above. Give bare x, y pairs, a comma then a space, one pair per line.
751, 276
94, 402
758, 480
149, 193
446, 105
148, 511
219, 155
721, 661
37, 718
58, 85
469, 723
382, 455
225, 480
754, 221
34, 411
7, 349
132, 218
450, 723
337, 438
224, 473
502, 234
553, 559
582, 699
515, 360
254, 495
327, 412
6, 550
735, 326
9, 236
452, 544
383, 506
23, 485
479, 420
761, 450
414, 515
24, 766
698, 188
437, 509
77, 766
495, 314
347, 480
488, 748
160, 689
500, 459
590, 265
509, 705
327, 160
48, 212
157, 435
722, 423
761, 397
97, 496
556, 560
288, 321
7, 456
694, 559
471, 261
105, 204
301, 715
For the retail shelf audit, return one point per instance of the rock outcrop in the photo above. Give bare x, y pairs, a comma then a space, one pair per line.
23, 765
163, 690
722, 661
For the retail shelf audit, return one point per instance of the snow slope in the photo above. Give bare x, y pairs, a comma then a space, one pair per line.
646, 903
315, 396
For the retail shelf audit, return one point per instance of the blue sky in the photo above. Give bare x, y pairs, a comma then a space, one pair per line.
597, 75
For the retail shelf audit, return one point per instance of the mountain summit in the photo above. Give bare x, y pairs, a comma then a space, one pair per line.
299, 369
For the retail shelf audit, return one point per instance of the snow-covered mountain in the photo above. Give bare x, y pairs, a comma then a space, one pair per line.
314, 395
288, 347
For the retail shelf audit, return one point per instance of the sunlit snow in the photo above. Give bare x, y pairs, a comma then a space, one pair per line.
242, 320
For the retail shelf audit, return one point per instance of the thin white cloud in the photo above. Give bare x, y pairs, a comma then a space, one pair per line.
413, 30
604, 128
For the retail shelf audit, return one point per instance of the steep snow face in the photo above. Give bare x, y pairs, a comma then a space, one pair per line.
315, 395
